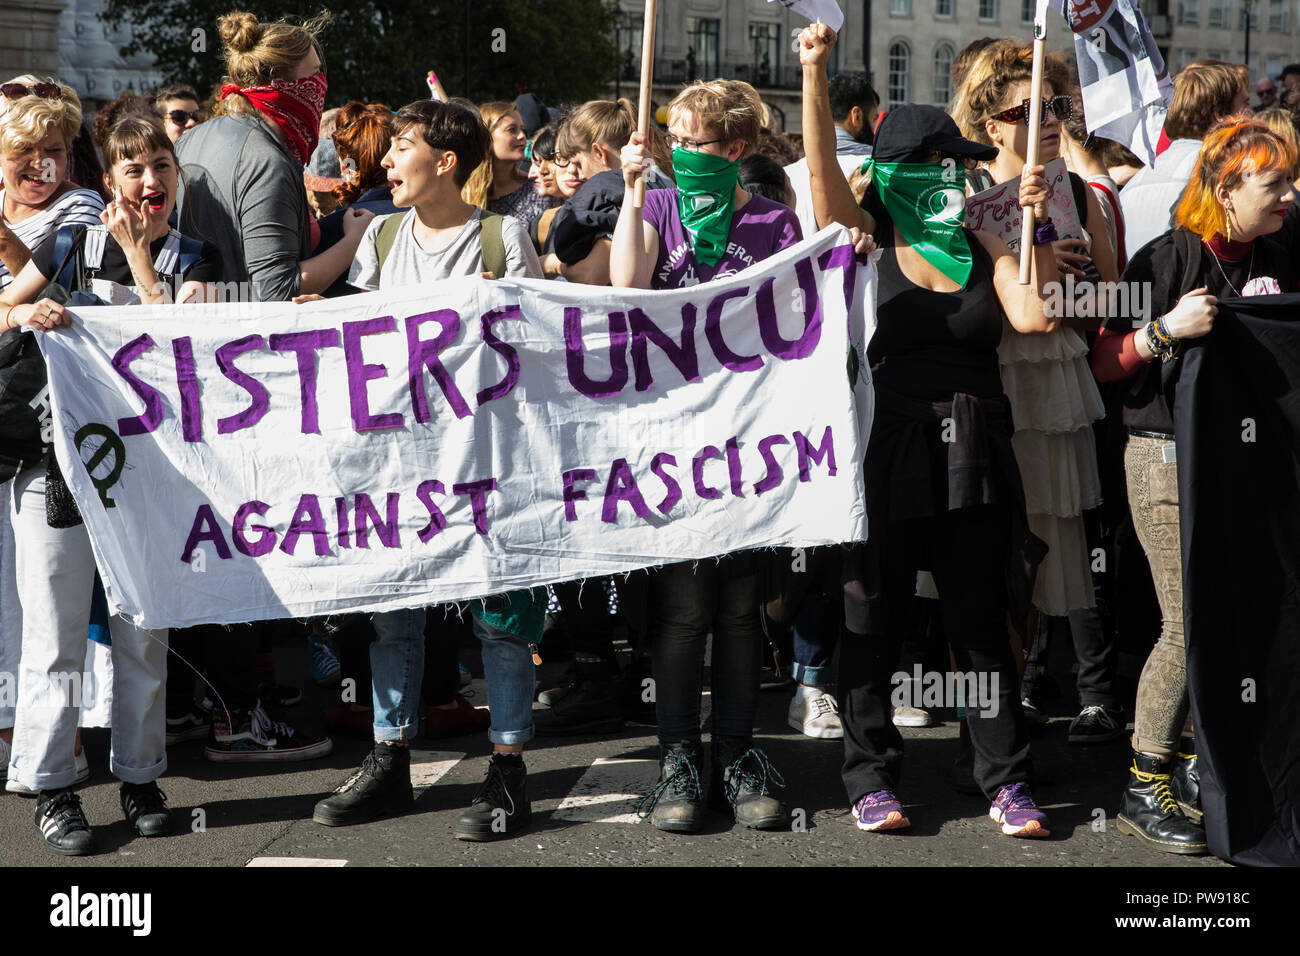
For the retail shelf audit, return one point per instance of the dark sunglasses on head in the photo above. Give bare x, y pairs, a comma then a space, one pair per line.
540, 155
1059, 106
181, 117
16, 91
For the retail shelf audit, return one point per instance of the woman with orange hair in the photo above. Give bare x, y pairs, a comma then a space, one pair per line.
363, 133
1224, 243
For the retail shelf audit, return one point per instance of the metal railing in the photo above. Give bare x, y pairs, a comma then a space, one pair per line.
787, 77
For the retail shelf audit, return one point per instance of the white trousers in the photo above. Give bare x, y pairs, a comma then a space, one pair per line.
56, 573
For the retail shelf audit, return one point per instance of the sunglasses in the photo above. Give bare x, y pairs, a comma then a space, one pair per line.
1059, 106
16, 91
181, 117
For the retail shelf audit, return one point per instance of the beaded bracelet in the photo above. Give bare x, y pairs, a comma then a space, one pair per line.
1162, 331
1156, 342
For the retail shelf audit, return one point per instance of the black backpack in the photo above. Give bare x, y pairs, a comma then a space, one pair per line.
22, 369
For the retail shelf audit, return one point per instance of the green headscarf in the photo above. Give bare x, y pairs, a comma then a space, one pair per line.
927, 202
706, 191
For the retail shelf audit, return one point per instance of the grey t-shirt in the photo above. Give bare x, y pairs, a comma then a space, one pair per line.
408, 263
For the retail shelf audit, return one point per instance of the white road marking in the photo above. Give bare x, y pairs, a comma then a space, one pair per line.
265, 861
608, 792
432, 768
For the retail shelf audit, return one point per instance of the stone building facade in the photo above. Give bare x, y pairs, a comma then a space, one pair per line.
912, 42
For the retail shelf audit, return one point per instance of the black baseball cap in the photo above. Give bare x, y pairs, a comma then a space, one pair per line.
909, 132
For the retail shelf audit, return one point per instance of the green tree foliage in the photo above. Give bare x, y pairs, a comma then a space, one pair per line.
562, 50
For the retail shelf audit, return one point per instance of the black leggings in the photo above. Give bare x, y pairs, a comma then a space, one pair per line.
687, 602
967, 551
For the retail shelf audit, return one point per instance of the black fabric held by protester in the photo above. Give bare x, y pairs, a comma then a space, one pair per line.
1236, 415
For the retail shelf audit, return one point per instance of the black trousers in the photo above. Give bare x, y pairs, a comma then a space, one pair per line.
687, 603
226, 657
967, 551
585, 607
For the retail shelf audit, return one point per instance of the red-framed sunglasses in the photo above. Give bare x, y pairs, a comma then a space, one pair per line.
1060, 106
16, 91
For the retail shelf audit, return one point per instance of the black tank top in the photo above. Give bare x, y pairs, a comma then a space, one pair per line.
931, 345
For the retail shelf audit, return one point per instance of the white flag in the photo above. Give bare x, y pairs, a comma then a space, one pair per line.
1126, 88
818, 11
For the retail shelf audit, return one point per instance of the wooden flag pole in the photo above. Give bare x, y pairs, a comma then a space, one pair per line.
647, 81
1031, 154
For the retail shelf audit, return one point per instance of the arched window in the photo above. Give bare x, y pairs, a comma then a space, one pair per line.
943, 56
900, 74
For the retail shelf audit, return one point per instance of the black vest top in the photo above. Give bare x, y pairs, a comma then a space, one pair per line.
931, 345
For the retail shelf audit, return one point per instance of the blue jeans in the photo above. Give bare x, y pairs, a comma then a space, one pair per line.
510, 674
815, 635
396, 670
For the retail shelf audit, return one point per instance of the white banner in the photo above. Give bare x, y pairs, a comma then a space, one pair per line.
1125, 86
241, 462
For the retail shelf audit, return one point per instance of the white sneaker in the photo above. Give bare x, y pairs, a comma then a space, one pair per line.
912, 717
816, 715
83, 774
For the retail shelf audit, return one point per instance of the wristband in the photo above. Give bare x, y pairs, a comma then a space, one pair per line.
1161, 329
1045, 232
7, 314
1159, 341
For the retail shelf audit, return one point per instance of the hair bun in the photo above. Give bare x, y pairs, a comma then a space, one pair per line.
240, 31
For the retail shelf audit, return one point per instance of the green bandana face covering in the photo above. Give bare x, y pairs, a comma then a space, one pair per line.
927, 202
706, 190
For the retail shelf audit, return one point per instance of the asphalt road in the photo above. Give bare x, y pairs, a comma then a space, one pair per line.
582, 809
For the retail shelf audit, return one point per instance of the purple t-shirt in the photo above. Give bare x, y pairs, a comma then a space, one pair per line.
760, 229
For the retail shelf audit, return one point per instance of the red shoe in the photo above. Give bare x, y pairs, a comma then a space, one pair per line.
465, 719
350, 719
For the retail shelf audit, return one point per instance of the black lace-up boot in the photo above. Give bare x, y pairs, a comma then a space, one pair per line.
501, 806
676, 804
1149, 811
1185, 782
382, 785
741, 777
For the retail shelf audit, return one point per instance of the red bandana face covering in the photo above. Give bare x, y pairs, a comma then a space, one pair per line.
294, 105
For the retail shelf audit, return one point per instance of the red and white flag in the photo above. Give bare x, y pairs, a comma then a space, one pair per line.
1126, 88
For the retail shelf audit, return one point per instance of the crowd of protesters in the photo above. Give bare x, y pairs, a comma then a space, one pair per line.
986, 561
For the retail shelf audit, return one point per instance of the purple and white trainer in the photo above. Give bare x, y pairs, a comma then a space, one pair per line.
880, 811
1015, 809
